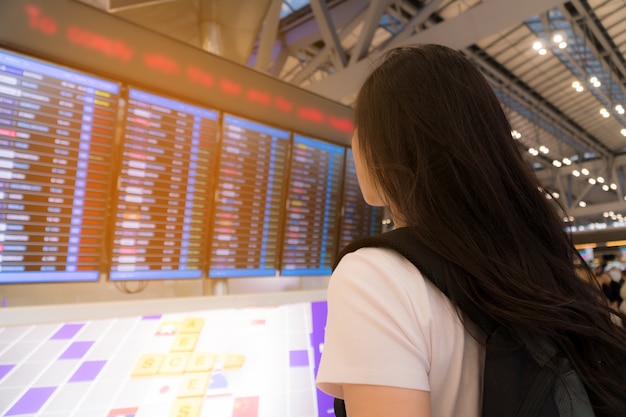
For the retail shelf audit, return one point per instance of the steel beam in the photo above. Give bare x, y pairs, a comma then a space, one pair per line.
310, 67
420, 17
370, 24
470, 27
268, 36
329, 33
552, 117
279, 61
592, 25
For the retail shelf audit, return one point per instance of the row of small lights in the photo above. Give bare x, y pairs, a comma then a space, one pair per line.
542, 149
603, 111
559, 39
576, 173
594, 181
614, 216
618, 220
596, 226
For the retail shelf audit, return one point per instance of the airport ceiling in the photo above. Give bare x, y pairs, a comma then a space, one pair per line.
557, 67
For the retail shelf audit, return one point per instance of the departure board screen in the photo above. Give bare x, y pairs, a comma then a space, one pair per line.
358, 219
164, 187
56, 135
313, 204
249, 195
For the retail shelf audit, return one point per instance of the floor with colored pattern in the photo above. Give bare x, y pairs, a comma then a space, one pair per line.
250, 362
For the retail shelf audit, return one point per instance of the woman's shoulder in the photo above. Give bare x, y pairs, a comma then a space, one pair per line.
388, 275
374, 266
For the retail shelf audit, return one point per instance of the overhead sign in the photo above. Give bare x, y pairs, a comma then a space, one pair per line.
75, 34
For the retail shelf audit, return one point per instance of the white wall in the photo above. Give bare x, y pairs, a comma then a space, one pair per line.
13, 295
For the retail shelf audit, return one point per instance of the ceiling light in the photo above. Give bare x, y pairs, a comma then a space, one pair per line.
543, 149
591, 181
537, 45
533, 151
548, 197
604, 112
595, 81
580, 88
601, 180
619, 108
555, 195
516, 134
562, 45
576, 84
557, 38
582, 204
556, 163
605, 214
613, 186
623, 132
576, 173
605, 187
584, 171
567, 161
543, 51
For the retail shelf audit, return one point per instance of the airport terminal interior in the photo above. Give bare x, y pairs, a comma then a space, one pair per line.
176, 180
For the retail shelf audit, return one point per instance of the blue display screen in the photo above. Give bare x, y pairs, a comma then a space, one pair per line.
250, 190
313, 204
164, 189
56, 133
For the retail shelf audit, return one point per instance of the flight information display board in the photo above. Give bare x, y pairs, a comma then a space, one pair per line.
313, 204
164, 187
249, 196
358, 219
56, 131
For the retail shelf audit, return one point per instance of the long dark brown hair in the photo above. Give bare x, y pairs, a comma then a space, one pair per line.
438, 145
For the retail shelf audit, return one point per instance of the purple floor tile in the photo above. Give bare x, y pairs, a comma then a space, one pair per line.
31, 401
87, 371
67, 331
76, 350
298, 358
4, 369
152, 317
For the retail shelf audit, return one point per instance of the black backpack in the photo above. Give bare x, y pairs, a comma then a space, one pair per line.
515, 383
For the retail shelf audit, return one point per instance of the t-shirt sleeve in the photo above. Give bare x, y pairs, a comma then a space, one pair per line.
379, 324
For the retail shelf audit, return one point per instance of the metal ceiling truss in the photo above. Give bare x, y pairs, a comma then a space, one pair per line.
515, 95
325, 60
331, 57
584, 60
592, 53
521, 93
588, 26
470, 26
321, 56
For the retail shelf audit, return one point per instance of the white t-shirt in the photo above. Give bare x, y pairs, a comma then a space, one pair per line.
388, 325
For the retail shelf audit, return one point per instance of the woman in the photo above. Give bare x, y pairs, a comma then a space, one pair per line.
433, 144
